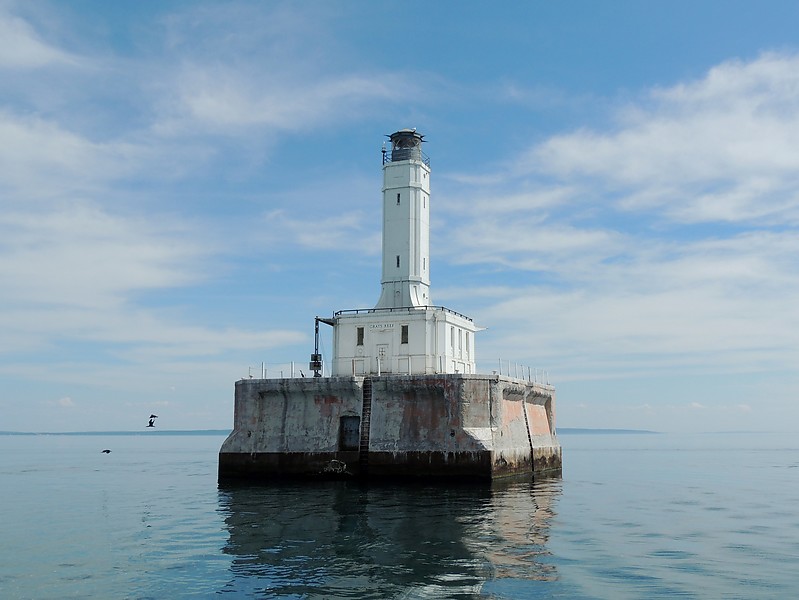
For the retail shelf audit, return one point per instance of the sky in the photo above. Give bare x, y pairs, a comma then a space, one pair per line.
184, 186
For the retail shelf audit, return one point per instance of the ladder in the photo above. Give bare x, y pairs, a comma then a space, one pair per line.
366, 419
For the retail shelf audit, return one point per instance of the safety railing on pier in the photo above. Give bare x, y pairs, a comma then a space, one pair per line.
507, 368
499, 366
283, 370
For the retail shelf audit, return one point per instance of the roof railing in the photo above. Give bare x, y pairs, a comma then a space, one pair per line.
406, 309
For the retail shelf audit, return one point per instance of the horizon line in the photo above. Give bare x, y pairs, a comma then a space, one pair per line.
125, 432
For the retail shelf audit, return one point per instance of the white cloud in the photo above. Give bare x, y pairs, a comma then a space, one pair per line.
598, 260
718, 149
729, 305
282, 72
226, 99
22, 48
529, 244
659, 311
42, 162
39, 157
82, 256
322, 233
81, 250
512, 203
74, 275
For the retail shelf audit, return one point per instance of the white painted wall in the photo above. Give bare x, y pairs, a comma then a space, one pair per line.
428, 350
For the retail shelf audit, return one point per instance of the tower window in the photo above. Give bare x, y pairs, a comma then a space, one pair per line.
424, 264
424, 201
398, 261
404, 334
359, 336
398, 199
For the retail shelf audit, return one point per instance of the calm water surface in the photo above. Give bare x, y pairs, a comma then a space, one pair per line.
634, 516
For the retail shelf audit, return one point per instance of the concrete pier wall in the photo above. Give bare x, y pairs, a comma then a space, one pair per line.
464, 426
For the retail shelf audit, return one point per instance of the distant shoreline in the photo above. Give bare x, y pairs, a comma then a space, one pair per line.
563, 430
148, 431
584, 431
145, 432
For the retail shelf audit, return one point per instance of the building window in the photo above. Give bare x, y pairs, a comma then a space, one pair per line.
359, 335
404, 334
398, 261
398, 199
467, 344
452, 339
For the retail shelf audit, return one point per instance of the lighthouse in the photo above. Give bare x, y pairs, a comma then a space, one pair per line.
403, 399
404, 333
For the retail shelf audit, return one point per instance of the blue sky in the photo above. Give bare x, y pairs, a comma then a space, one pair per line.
185, 185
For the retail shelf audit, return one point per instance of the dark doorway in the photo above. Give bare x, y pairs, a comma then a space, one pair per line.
350, 433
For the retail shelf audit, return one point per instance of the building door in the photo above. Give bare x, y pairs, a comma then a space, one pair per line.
383, 359
350, 433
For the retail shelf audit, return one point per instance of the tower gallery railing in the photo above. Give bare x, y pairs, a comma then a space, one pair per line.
399, 154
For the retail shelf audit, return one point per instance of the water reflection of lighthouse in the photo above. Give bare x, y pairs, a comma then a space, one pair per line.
335, 539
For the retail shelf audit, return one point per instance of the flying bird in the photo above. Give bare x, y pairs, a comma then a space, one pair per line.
153, 416
106, 451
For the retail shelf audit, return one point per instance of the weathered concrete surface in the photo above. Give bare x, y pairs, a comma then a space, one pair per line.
464, 426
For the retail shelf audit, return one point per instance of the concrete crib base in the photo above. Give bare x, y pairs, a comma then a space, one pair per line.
346, 465
473, 427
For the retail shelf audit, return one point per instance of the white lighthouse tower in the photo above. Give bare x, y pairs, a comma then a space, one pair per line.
406, 223
404, 333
